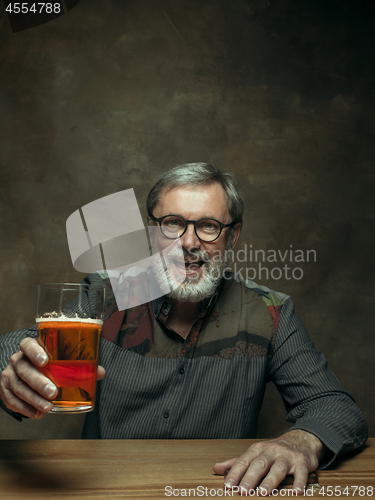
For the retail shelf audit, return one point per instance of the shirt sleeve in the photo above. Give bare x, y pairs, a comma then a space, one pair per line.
314, 399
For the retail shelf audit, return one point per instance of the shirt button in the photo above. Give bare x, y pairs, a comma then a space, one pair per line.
166, 414
181, 370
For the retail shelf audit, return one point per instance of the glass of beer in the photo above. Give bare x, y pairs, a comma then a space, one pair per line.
69, 319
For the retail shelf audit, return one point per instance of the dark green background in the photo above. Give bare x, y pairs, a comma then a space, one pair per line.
280, 92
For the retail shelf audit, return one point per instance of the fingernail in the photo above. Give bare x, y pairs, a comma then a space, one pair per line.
49, 390
244, 488
229, 483
41, 359
263, 491
45, 406
299, 489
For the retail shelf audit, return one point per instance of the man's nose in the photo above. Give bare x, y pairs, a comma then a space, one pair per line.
190, 239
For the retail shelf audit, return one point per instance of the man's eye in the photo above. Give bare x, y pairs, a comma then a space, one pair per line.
208, 226
173, 223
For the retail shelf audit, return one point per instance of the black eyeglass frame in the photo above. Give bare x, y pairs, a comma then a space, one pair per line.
195, 222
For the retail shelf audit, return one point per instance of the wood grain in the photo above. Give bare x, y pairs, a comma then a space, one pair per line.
134, 469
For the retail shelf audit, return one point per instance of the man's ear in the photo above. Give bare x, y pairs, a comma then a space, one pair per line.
236, 234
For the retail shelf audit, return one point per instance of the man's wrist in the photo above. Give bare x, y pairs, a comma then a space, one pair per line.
304, 438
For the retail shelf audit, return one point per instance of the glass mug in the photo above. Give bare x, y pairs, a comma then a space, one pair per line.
69, 318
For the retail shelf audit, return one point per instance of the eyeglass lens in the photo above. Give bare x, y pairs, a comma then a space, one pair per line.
207, 229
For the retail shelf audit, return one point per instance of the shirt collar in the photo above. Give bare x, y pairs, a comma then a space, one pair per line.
163, 303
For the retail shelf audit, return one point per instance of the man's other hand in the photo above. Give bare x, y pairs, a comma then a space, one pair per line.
268, 462
23, 388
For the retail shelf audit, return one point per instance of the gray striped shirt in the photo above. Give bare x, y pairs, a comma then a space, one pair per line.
218, 393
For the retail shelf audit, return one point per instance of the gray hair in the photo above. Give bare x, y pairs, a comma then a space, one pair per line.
198, 174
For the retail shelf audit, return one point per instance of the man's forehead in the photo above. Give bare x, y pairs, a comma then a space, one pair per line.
206, 197
201, 191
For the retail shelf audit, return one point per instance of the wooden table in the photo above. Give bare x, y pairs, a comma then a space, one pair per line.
142, 469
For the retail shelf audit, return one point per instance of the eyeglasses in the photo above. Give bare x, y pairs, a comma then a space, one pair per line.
174, 226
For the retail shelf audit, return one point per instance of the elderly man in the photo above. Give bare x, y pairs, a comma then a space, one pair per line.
194, 363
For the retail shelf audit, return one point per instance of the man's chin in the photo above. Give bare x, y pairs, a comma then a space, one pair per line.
192, 289
187, 295
188, 286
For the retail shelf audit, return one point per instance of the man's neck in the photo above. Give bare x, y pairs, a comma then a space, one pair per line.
186, 311
182, 315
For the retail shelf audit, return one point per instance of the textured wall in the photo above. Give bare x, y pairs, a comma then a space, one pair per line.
280, 92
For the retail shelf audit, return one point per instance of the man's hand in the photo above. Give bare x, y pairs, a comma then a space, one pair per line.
268, 462
23, 388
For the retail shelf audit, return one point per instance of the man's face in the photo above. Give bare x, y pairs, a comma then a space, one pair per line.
198, 275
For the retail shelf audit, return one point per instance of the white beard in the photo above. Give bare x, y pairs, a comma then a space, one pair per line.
195, 288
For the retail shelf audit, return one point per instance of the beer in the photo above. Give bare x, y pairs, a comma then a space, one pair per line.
72, 345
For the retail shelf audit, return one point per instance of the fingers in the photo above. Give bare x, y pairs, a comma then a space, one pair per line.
33, 351
301, 476
248, 470
23, 388
101, 372
264, 474
221, 468
264, 466
277, 473
18, 405
25, 374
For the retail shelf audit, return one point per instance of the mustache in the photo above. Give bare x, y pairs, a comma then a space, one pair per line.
192, 255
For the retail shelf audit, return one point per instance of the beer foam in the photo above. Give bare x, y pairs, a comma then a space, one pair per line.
76, 319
